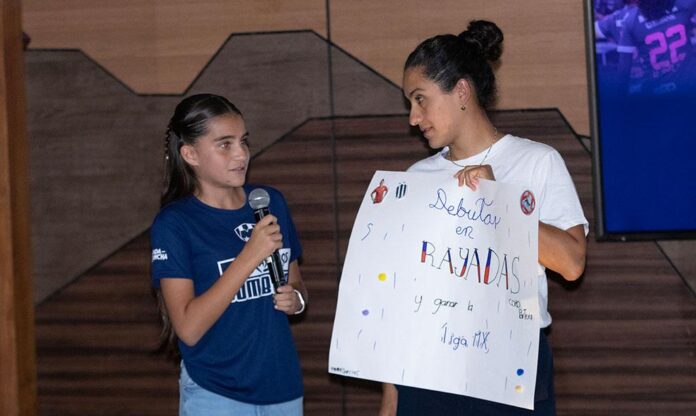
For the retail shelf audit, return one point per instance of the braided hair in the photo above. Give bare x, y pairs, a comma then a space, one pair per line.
187, 125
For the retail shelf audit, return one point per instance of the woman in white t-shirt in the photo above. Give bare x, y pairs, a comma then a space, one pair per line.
449, 83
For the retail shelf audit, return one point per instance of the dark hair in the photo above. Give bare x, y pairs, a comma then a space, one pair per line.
445, 59
189, 122
655, 9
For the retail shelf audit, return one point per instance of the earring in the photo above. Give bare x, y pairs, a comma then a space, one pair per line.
463, 108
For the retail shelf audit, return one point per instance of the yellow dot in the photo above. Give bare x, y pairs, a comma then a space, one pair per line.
382, 277
519, 389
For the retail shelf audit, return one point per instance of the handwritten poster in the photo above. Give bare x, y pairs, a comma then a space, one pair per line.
439, 288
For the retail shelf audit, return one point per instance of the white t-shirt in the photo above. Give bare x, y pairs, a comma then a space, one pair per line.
536, 166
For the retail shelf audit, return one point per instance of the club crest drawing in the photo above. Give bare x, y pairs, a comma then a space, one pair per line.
377, 195
527, 202
400, 190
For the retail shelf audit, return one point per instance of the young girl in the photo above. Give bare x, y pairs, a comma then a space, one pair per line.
449, 83
238, 355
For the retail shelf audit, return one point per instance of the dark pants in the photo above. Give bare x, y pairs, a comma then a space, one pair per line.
420, 402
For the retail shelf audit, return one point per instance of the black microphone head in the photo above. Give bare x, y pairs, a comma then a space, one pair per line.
259, 199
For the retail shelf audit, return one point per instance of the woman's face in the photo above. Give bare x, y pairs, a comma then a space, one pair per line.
435, 112
221, 156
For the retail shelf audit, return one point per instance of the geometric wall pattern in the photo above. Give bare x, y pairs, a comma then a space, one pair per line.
623, 336
623, 343
158, 46
97, 148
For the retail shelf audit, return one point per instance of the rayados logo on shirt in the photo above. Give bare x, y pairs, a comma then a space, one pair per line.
159, 254
244, 230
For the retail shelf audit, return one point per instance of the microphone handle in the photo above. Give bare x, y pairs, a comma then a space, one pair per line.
273, 262
275, 270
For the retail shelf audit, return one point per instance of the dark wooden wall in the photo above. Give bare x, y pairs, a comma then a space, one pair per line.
17, 361
624, 336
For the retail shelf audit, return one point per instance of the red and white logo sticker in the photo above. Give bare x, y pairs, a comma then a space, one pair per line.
527, 202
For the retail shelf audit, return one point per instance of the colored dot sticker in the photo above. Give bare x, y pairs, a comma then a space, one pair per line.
519, 389
365, 312
520, 371
382, 277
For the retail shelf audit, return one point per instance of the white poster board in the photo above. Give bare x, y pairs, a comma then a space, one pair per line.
439, 288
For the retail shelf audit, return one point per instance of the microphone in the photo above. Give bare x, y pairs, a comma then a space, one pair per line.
258, 201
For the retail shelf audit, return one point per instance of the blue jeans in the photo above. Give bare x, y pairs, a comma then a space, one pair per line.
196, 401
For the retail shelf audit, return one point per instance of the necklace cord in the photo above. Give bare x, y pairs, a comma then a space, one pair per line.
449, 152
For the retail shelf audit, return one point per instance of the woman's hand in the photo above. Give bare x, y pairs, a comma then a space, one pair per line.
287, 300
470, 175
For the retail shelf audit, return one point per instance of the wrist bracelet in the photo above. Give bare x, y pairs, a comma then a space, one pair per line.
302, 302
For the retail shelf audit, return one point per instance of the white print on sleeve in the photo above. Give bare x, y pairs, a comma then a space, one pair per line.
159, 254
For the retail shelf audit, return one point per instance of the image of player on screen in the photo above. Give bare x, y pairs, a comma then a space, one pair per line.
657, 35
607, 31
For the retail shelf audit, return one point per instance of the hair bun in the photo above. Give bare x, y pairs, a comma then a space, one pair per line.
486, 37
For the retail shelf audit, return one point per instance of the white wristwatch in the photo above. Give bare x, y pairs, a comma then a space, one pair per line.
302, 302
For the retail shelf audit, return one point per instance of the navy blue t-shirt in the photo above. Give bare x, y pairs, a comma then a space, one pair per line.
248, 354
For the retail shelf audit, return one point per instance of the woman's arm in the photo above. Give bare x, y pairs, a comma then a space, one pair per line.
390, 397
192, 316
563, 251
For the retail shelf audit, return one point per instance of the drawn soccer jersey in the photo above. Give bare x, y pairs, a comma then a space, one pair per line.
379, 192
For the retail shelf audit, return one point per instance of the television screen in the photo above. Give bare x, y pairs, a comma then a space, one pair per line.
642, 76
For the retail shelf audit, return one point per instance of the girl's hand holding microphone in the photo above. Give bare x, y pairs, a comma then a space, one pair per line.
265, 239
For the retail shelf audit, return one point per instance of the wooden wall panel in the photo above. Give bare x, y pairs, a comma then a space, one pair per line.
623, 336
160, 46
17, 352
543, 63
607, 329
96, 154
97, 148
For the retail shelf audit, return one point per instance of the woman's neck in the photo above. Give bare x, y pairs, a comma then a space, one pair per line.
231, 198
477, 135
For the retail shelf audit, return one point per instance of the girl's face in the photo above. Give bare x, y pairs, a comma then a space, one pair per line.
435, 112
220, 157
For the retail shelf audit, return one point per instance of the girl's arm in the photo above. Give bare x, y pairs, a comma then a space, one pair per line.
563, 251
286, 299
192, 316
